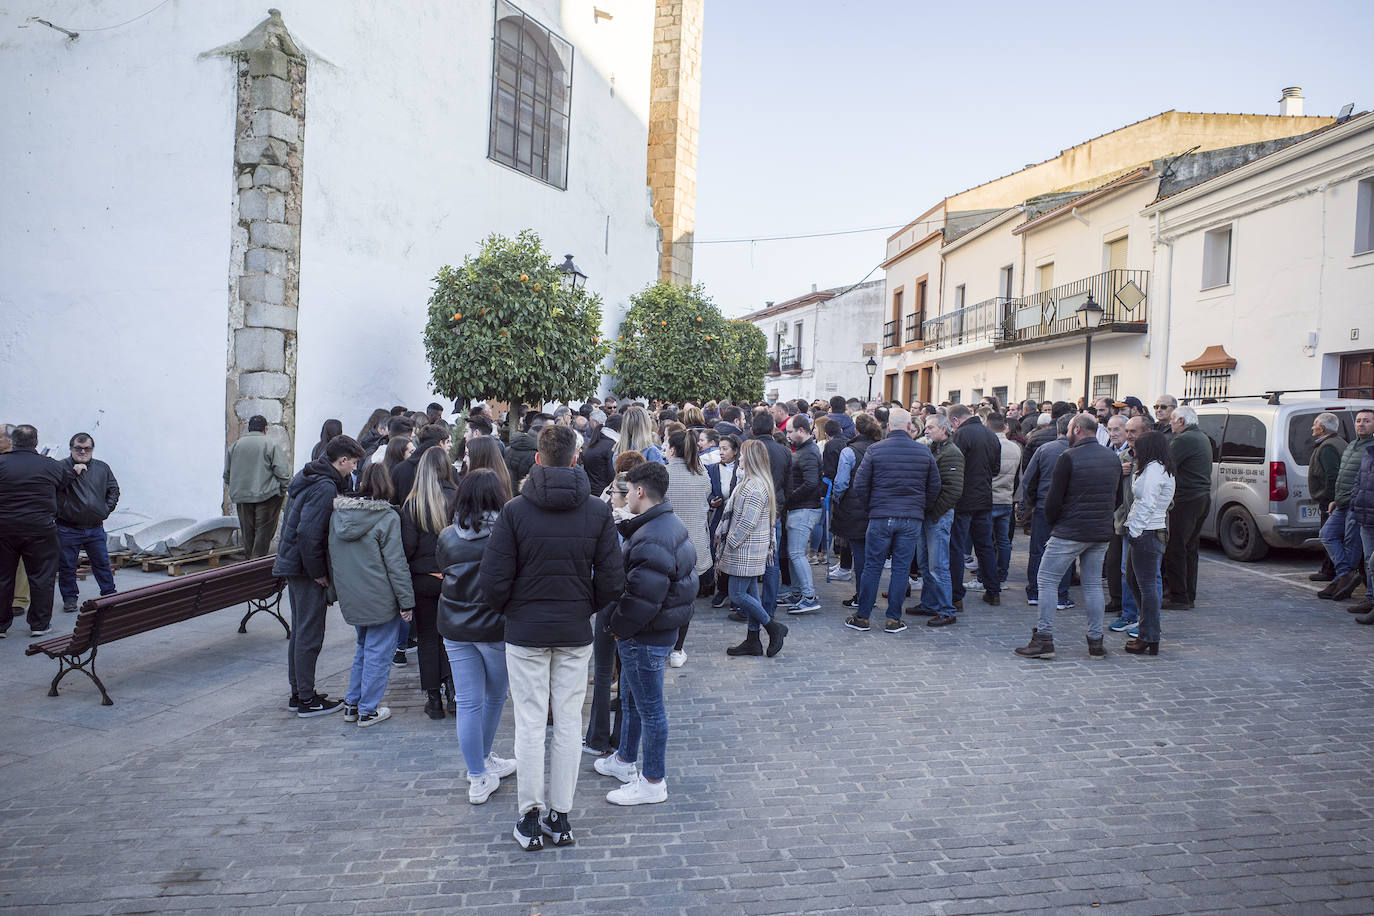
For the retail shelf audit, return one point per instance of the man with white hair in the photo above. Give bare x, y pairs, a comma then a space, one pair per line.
1322, 469
1165, 405
1191, 450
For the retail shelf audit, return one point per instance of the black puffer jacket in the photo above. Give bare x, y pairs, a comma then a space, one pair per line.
779, 465
848, 517
1082, 494
303, 549
598, 460
552, 561
1036, 439
804, 487
91, 497
463, 614
982, 462
520, 458
660, 578
830, 456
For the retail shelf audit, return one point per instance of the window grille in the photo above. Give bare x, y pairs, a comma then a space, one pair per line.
1207, 383
531, 97
1035, 391
1104, 386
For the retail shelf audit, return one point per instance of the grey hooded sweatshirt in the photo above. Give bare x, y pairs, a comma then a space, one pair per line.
367, 561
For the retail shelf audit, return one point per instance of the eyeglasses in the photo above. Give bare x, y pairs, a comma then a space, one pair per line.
83, 448
1164, 407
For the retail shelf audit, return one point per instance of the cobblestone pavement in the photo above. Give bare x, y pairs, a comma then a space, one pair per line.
926, 772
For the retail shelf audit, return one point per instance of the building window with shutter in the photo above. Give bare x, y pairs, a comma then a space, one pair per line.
1216, 258
1364, 216
531, 97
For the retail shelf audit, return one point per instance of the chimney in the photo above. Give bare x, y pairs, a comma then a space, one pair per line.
813, 287
1290, 106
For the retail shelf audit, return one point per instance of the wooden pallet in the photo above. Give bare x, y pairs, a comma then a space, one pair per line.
175, 566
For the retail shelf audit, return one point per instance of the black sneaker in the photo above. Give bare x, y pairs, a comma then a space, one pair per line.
318, 706
719, 601
399, 659
850, 603
527, 832
855, 622
294, 704
555, 826
894, 626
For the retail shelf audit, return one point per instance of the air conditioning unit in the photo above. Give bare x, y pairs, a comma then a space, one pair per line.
781, 327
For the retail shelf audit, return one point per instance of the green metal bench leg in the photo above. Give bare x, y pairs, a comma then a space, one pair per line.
272, 607
66, 664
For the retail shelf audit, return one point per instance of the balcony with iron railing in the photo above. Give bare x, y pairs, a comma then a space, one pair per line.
913, 328
890, 330
1052, 314
789, 359
982, 322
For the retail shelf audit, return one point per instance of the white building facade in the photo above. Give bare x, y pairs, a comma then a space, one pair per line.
820, 343
203, 180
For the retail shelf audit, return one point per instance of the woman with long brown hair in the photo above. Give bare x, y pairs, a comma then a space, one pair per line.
425, 513
745, 541
483, 452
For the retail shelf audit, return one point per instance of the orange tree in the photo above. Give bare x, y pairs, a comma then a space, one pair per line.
503, 326
671, 346
746, 361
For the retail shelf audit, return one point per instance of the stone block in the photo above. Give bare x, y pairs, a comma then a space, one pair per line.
245, 180
269, 62
261, 349
259, 150
262, 315
271, 92
274, 176
267, 123
268, 408
272, 235
262, 288
264, 385
265, 260
261, 203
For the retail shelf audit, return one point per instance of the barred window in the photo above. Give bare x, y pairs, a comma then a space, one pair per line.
1207, 383
954, 395
531, 97
1104, 386
1035, 391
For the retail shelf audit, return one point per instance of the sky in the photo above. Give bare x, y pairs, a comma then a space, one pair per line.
850, 114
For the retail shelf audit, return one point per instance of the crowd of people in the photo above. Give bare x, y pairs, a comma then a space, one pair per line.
527, 557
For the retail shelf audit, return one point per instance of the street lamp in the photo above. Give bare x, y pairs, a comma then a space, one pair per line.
1089, 317
870, 367
572, 279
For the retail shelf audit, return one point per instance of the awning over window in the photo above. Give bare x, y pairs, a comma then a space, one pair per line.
1214, 357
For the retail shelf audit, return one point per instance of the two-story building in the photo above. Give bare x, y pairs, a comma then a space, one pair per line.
983, 289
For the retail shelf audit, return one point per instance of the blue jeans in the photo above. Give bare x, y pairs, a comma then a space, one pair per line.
371, 665
1341, 538
1040, 534
1130, 610
744, 594
1056, 562
772, 574
96, 544
975, 527
1143, 556
641, 694
403, 636
1367, 542
899, 536
480, 686
799, 525
934, 561
1001, 541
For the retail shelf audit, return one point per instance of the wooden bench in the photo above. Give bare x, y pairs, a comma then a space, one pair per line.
104, 620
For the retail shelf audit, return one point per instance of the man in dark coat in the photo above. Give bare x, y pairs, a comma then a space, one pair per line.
660, 587
552, 562
838, 414
521, 452
1191, 450
303, 560
598, 458
81, 514
804, 492
29, 487
1079, 508
1323, 467
730, 420
973, 513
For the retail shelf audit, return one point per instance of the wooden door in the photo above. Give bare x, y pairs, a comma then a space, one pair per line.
1357, 375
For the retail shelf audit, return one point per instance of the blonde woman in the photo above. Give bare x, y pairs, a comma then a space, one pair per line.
425, 513
745, 542
692, 417
637, 435
689, 490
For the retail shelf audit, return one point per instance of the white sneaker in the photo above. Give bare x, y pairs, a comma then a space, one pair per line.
612, 765
372, 718
677, 658
842, 575
500, 766
481, 787
887, 564
639, 792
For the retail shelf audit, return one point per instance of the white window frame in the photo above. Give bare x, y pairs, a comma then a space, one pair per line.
1364, 216
1209, 257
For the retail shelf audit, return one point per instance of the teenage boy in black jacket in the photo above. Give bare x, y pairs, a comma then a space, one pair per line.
81, 514
553, 560
303, 559
660, 586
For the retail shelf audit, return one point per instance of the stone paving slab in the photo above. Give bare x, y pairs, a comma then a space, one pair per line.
926, 772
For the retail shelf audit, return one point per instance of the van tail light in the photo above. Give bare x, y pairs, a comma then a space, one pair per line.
1278, 482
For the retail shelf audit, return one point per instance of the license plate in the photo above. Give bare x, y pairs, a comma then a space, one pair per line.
1309, 513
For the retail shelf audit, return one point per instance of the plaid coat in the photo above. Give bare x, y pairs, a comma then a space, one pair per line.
747, 538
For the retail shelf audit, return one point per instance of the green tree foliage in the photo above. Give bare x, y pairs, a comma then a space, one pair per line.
503, 326
746, 351
675, 345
